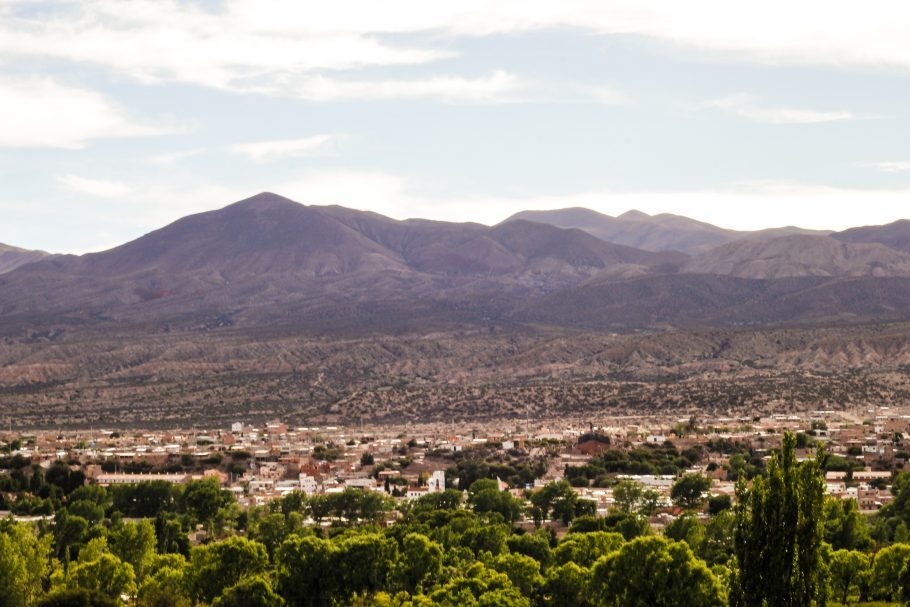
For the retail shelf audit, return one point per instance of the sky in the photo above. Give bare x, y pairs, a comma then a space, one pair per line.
120, 116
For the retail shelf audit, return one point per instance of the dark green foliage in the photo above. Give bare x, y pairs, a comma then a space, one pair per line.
655, 572
643, 460
719, 503
779, 534
215, 567
77, 598
250, 592
689, 491
145, 500
558, 501
844, 527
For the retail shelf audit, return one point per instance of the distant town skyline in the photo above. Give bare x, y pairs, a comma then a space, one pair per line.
118, 118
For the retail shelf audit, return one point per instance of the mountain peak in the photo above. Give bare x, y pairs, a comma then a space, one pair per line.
265, 201
634, 215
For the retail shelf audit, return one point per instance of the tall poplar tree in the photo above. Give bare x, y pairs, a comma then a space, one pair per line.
779, 534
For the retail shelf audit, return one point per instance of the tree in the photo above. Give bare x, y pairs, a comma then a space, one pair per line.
584, 549
535, 545
779, 533
23, 565
889, 563
146, 499
450, 499
627, 495
718, 504
78, 597
688, 529
203, 499
420, 561
718, 545
69, 533
523, 571
107, 574
134, 543
689, 490
651, 500
220, 565
301, 566
170, 534
494, 500
845, 528
478, 586
847, 570
567, 585
165, 584
655, 572
274, 528
249, 592
365, 561
893, 520
557, 500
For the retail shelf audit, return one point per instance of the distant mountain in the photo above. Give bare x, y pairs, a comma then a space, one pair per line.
270, 251
268, 307
14, 257
663, 232
895, 235
269, 261
705, 300
800, 255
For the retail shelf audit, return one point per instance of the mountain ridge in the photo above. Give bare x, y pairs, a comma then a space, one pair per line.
661, 232
14, 257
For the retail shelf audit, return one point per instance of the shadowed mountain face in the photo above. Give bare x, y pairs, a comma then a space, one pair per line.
664, 232
269, 261
895, 235
14, 257
313, 262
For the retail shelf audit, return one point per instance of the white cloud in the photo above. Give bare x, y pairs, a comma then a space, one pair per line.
267, 151
166, 40
892, 167
279, 46
498, 87
172, 158
100, 188
742, 105
43, 113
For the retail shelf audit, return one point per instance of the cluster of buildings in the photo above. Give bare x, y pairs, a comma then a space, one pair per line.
262, 463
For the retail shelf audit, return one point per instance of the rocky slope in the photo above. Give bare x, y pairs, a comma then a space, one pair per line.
800, 255
14, 257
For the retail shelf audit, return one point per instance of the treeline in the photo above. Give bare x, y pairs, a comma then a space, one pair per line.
156, 544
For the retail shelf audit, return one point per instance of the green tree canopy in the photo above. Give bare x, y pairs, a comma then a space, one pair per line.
779, 533
655, 572
220, 565
689, 490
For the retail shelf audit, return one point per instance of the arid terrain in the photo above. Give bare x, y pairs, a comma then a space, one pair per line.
179, 379
271, 308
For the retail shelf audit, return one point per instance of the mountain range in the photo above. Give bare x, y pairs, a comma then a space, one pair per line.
268, 260
269, 307
663, 232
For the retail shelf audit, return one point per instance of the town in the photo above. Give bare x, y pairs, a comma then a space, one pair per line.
600, 459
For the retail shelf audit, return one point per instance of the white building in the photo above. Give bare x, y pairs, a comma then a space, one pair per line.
437, 482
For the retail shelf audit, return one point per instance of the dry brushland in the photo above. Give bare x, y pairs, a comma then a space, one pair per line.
79, 379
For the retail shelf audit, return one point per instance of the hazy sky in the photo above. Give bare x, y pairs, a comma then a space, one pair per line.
117, 116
